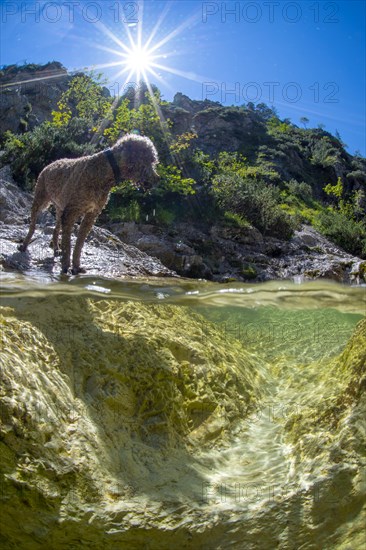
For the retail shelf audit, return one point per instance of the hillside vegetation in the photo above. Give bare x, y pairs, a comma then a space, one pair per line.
239, 165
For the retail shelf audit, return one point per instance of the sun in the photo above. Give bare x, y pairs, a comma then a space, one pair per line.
139, 60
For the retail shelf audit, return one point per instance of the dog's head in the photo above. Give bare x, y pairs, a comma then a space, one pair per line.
137, 158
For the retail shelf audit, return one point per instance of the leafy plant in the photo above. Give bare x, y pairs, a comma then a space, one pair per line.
84, 99
235, 220
301, 190
171, 180
276, 126
325, 153
335, 190
143, 120
347, 233
255, 200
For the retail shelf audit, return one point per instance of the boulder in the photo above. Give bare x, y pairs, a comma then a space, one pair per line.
29, 95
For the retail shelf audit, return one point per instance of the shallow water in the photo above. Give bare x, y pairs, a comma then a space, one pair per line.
293, 329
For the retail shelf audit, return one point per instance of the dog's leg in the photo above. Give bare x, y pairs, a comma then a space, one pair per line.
23, 247
68, 219
40, 201
36, 208
84, 231
55, 244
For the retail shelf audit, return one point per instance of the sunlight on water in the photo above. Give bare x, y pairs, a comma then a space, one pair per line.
259, 468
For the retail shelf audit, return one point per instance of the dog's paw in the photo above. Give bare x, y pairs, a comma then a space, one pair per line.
76, 270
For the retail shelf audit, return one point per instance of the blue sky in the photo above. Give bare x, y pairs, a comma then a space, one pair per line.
306, 58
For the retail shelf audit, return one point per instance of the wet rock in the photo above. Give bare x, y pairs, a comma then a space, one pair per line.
103, 254
244, 235
224, 253
117, 419
329, 432
169, 248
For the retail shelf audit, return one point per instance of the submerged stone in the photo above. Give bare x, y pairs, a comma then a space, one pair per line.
104, 409
132, 425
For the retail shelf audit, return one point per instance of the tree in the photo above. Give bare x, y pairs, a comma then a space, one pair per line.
266, 112
304, 120
338, 136
84, 98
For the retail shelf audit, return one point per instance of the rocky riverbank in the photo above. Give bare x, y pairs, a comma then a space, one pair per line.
218, 253
225, 254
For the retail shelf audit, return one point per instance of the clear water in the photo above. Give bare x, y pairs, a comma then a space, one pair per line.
293, 329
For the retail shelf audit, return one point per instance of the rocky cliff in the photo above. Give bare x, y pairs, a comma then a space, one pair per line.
30, 94
87, 430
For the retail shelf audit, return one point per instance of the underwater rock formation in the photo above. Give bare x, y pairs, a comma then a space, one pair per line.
104, 407
116, 419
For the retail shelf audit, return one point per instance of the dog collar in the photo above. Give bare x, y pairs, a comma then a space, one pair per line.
112, 161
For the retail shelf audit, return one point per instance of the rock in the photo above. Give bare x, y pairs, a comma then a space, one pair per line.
30, 94
331, 430
181, 119
171, 251
15, 204
103, 254
245, 235
191, 105
220, 253
348, 371
122, 425
352, 363
226, 253
104, 417
227, 129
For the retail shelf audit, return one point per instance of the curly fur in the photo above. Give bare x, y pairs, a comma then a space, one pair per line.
80, 188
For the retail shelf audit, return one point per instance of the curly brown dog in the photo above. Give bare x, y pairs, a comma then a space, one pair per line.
80, 188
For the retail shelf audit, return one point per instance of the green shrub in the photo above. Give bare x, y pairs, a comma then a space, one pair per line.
235, 220
130, 212
256, 201
325, 153
164, 216
84, 99
301, 190
202, 166
29, 153
171, 180
345, 232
